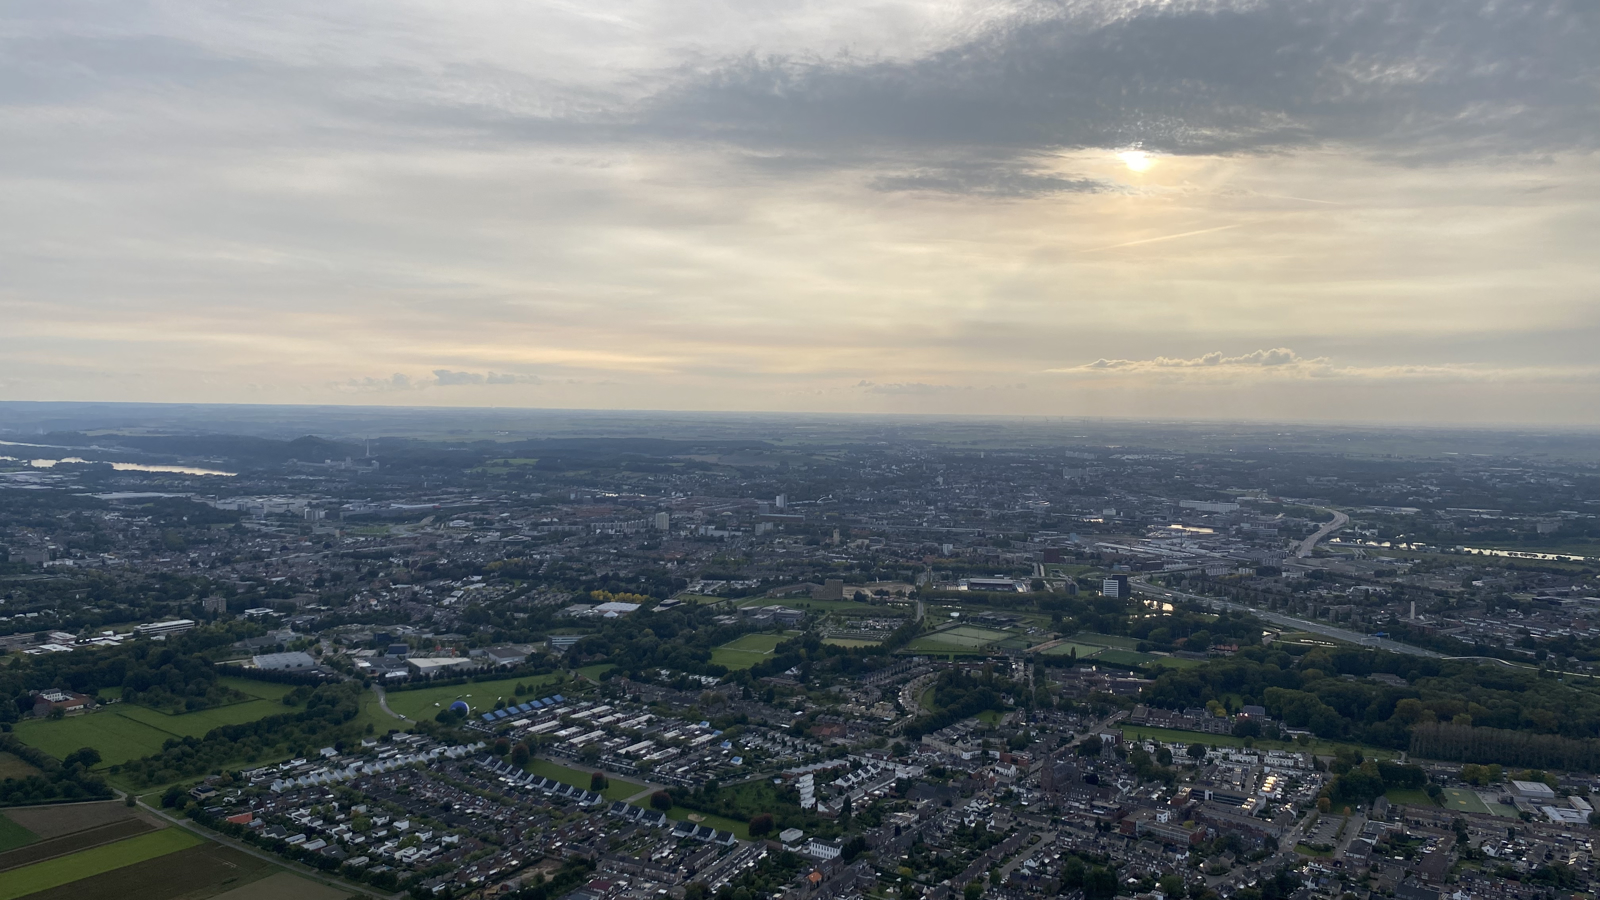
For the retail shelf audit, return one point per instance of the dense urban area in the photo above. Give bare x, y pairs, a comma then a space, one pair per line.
833, 661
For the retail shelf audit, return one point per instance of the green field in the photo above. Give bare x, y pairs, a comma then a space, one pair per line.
746, 651
125, 731
1175, 662
960, 639
1412, 797
14, 766
1065, 648
1107, 640
1463, 800
425, 703
677, 813
66, 869
619, 789
1125, 658
594, 672
13, 835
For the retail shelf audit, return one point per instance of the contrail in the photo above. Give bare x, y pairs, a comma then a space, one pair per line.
1170, 237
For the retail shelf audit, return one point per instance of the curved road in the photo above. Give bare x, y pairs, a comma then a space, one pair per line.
383, 702
1339, 521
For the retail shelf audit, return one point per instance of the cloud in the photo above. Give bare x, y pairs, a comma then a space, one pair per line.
992, 180
394, 383
915, 388
1280, 356
1423, 79
1282, 362
447, 378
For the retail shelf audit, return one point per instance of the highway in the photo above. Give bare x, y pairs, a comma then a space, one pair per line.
1343, 634
1339, 521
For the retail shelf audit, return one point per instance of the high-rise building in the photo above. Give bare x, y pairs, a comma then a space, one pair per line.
663, 521
1114, 586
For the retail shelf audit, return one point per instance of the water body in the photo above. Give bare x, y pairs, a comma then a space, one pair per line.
1527, 554
120, 466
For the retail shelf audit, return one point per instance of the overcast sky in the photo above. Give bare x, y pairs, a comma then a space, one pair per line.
1322, 209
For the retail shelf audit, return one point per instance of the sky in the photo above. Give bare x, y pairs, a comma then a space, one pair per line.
1320, 210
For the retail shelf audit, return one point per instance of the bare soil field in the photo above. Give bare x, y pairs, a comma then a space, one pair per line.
65, 818
285, 886
193, 874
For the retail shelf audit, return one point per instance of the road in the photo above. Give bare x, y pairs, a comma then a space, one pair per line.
1339, 521
1343, 634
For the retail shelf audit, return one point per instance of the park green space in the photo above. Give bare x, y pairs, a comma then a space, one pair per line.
124, 731
1463, 800
75, 866
619, 789
594, 672
13, 835
425, 703
741, 830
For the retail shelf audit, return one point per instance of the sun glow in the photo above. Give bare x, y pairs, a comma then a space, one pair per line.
1137, 160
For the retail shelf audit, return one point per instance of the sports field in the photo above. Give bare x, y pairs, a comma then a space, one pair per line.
1107, 640
425, 703
73, 867
1463, 800
960, 639
1065, 648
125, 731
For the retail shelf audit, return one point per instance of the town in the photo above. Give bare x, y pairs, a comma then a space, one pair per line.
849, 665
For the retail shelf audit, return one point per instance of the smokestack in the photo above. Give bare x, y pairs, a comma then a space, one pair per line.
1413, 610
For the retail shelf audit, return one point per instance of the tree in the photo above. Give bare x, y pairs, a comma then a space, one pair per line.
599, 782
1100, 884
1196, 751
88, 757
1171, 885
760, 824
661, 800
973, 890
502, 746
520, 754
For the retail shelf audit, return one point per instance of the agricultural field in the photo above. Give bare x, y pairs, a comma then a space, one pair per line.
13, 835
746, 651
425, 703
73, 867
203, 871
13, 766
124, 731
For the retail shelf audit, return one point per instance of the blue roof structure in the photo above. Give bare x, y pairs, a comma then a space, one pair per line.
488, 717
560, 699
